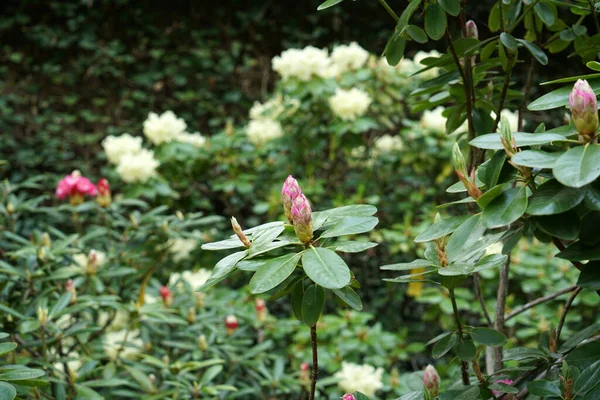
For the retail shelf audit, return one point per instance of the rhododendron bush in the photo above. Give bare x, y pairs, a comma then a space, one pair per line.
415, 221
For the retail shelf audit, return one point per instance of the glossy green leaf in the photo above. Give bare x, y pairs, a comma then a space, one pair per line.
488, 337
440, 229
444, 345
452, 7
350, 297
559, 97
492, 141
505, 209
543, 388
589, 229
509, 41
416, 33
326, 268
21, 374
7, 391
354, 247
464, 236
588, 379
435, 21
546, 13
466, 350
394, 50
493, 168
580, 252
407, 13
273, 272
351, 226
592, 196
312, 304
578, 166
7, 347
329, 3
535, 158
535, 51
297, 296
579, 337
462, 268
61, 304
553, 198
563, 226
408, 266
487, 197
223, 269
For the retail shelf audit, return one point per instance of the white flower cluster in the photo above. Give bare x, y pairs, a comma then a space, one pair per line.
434, 120
361, 378
349, 104
122, 344
195, 139
419, 57
181, 248
116, 147
260, 131
349, 57
408, 67
512, 117
138, 167
163, 128
388, 144
302, 64
89, 263
194, 279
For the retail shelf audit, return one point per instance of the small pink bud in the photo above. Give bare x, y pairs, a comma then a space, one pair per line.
431, 380
302, 218
104, 196
289, 192
348, 396
166, 295
240, 232
584, 108
304, 373
506, 382
231, 324
472, 31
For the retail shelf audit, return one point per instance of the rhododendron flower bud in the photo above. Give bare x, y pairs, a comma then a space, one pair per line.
506, 382
167, 295
348, 396
304, 376
240, 232
46, 241
70, 287
42, 314
199, 299
261, 310
191, 315
104, 197
202, 343
584, 108
231, 324
431, 380
289, 192
10, 208
472, 31
92, 263
75, 187
302, 219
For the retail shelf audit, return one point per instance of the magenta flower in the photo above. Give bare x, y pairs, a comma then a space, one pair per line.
289, 192
302, 218
75, 187
584, 108
506, 382
348, 396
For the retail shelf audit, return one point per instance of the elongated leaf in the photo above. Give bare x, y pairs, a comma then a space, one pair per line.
559, 97
563, 226
273, 273
464, 236
486, 262
590, 276
588, 379
553, 198
354, 247
440, 229
7, 347
329, 3
394, 49
312, 304
579, 337
492, 141
223, 244
505, 209
21, 374
536, 159
444, 345
509, 41
578, 166
223, 269
408, 266
435, 21
535, 51
488, 337
7, 391
351, 226
543, 388
61, 304
417, 34
326, 268
466, 350
349, 297
580, 252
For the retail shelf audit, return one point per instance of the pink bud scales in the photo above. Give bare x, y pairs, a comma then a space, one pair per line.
289, 192
584, 108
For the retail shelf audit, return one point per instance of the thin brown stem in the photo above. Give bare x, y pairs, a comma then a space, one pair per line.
477, 285
315, 359
541, 300
500, 306
503, 93
565, 311
464, 366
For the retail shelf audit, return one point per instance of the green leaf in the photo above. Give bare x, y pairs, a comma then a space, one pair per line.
503, 388
553, 198
464, 236
142, 379
329, 3
326, 268
438, 338
394, 49
407, 266
452, 7
563, 226
509, 41
589, 229
61, 304
7, 347
524, 354
579, 337
223, 269
416, 33
466, 350
535, 159
354, 247
406, 14
297, 295
491, 194
580, 252
505, 209
592, 196
493, 169
230, 243
578, 166
491, 141
21, 374
273, 272
588, 379
349, 297
535, 51
546, 13
7, 391
543, 388
488, 337
440, 229
589, 278
312, 304
351, 226
559, 97
486, 262
435, 21
444, 345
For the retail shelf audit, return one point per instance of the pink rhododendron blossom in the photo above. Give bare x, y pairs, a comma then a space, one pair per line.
75, 187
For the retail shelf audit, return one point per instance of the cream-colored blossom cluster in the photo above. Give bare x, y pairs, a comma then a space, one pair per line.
194, 279
348, 57
388, 144
349, 104
163, 128
303, 64
181, 248
362, 378
139, 167
116, 147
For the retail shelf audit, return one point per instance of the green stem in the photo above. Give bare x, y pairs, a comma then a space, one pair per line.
464, 367
389, 10
518, 21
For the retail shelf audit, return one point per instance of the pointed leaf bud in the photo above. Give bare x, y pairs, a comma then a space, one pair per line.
191, 315
584, 108
506, 137
458, 161
431, 380
42, 314
472, 30
289, 192
46, 241
240, 232
202, 342
302, 219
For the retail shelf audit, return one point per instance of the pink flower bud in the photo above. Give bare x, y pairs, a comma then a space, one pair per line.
348, 396
304, 373
104, 197
302, 218
75, 187
584, 108
472, 30
231, 324
261, 310
289, 192
166, 295
431, 380
240, 232
506, 382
